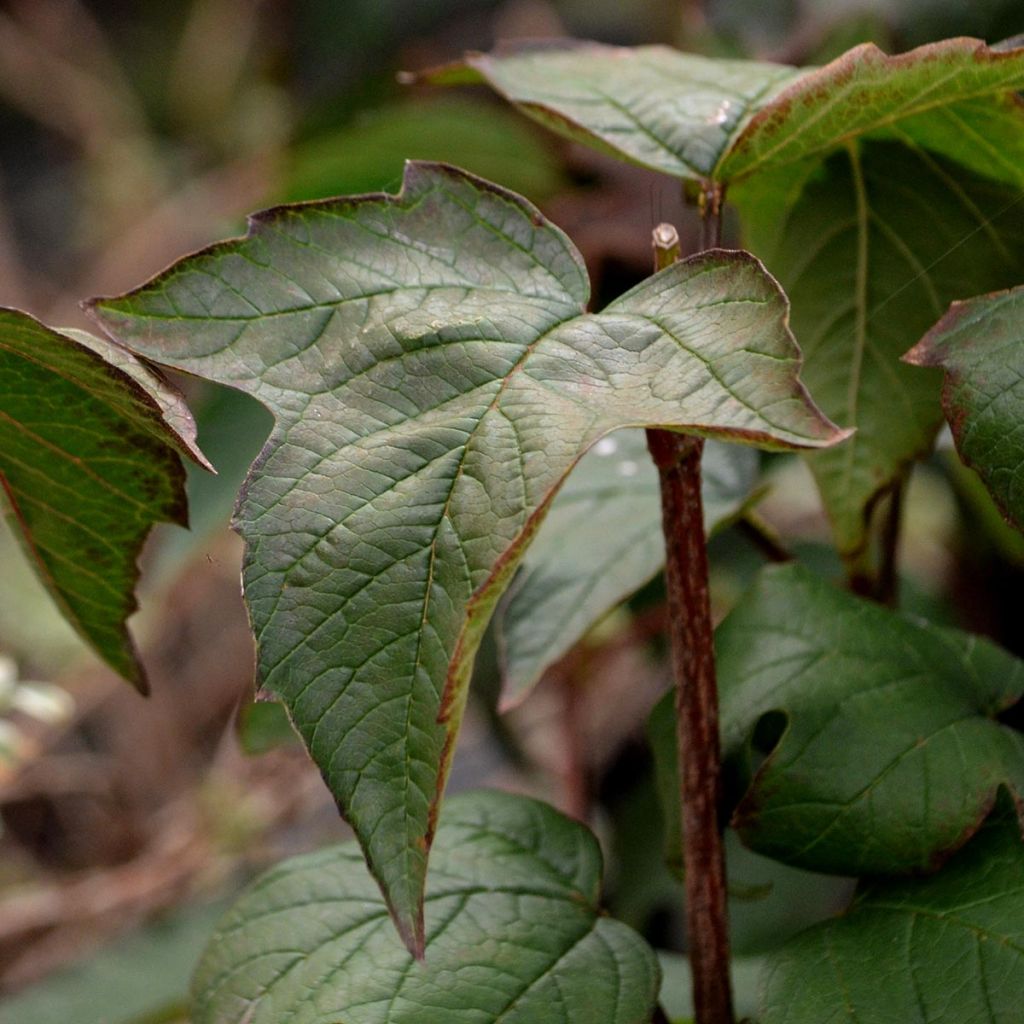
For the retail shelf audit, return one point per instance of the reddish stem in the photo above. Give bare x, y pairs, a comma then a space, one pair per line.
677, 457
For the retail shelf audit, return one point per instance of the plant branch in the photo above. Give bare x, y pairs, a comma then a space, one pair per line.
677, 457
880, 582
710, 205
887, 591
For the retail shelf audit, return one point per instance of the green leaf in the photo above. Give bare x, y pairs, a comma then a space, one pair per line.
980, 345
89, 460
434, 377
695, 117
948, 949
882, 753
859, 741
673, 112
600, 543
871, 251
514, 934
932, 93
900, 234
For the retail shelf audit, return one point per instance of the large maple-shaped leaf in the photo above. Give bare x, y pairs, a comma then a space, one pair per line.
875, 739
434, 377
600, 543
906, 235
89, 460
980, 345
514, 934
944, 950
878, 242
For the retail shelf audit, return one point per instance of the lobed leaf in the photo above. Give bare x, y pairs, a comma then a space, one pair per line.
434, 377
90, 439
860, 742
600, 543
947, 949
980, 345
890, 755
514, 934
859, 236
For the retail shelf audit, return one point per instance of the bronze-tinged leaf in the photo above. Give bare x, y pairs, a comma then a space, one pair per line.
90, 446
434, 377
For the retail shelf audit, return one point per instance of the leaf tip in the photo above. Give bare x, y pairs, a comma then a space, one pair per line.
140, 680
412, 932
926, 351
512, 695
127, 664
456, 72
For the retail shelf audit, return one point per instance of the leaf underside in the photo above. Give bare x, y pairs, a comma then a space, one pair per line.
900, 231
943, 950
600, 543
727, 120
514, 934
673, 112
434, 377
89, 461
980, 345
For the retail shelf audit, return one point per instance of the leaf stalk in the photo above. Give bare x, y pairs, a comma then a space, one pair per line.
881, 582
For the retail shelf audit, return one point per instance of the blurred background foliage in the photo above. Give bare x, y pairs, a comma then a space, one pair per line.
132, 132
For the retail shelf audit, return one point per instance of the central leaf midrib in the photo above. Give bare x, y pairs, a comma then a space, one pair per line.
410, 853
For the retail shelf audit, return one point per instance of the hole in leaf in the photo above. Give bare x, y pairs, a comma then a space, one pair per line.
767, 733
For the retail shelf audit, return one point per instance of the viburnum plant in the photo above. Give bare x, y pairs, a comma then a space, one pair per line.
436, 376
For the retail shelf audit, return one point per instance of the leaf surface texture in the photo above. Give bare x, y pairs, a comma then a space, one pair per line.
862, 742
514, 934
434, 376
980, 346
945, 950
90, 440
879, 188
